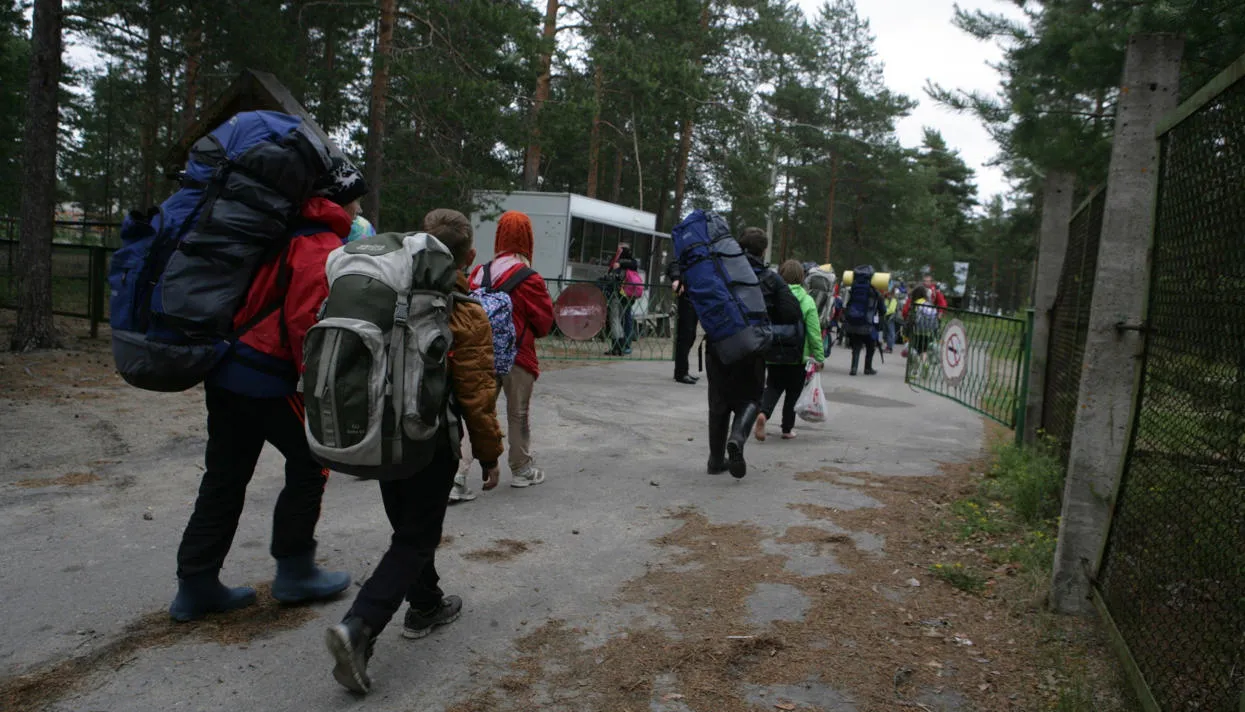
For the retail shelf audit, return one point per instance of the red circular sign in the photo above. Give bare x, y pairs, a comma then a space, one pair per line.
580, 312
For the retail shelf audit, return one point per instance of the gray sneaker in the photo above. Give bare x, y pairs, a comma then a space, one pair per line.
461, 492
418, 624
527, 477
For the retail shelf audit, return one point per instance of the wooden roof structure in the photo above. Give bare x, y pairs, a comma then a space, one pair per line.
253, 91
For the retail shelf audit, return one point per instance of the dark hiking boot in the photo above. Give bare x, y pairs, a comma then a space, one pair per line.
350, 643
870, 372
202, 594
740, 432
719, 427
420, 623
299, 580
735, 459
686, 380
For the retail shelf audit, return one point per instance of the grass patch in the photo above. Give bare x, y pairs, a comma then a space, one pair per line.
959, 576
1027, 479
1014, 516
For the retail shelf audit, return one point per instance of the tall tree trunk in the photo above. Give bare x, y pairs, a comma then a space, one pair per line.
786, 211
594, 140
328, 86
194, 60
34, 328
663, 194
639, 167
680, 173
689, 124
374, 153
616, 189
531, 163
151, 111
834, 184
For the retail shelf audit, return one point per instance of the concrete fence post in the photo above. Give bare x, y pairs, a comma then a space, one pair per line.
1149, 91
1052, 248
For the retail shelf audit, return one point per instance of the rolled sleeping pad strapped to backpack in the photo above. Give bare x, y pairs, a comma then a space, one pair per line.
722, 286
185, 268
377, 386
880, 281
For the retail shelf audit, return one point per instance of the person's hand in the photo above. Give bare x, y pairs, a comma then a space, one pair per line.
819, 366
492, 475
677, 286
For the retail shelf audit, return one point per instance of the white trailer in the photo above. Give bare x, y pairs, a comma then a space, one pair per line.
575, 236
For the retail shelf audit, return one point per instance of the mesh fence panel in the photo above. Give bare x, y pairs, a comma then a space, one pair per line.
1070, 322
598, 321
973, 358
1173, 576
71, 277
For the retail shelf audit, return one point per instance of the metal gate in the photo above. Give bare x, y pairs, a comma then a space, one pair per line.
976, 359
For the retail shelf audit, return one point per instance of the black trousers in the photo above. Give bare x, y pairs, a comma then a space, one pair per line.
731, 390
416, 509
866, 342
783, 380
238, 426
685, 336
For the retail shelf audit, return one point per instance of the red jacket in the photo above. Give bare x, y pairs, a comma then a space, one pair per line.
268, 359
533, 313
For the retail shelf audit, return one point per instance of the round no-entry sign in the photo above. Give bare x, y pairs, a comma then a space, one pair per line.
580, 311
954, 351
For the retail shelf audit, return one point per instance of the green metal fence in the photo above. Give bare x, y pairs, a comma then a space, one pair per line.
976, 359
79, 269
1172, 579
624, 328
1070, 322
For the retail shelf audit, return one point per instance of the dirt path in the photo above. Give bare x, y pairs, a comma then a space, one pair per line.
629, 581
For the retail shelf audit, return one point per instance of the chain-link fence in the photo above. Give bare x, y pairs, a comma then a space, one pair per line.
607, 320
1070, 322
976, 359
1173, 573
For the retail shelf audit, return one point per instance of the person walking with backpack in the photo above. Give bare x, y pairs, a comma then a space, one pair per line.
622, 290
416, 504
891, 319
736, 389
685, 334
861, 313
252, 398
511, 271
786, 375
453, 229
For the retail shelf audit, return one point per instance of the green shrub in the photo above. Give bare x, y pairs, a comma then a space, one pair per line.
1029, 480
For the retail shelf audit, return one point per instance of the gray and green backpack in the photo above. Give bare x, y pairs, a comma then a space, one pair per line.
377, 383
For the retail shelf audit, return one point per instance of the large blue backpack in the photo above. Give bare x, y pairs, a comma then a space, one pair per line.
185, 267
862, 301
722, 286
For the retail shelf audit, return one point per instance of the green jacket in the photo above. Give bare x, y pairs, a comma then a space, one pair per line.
812, 324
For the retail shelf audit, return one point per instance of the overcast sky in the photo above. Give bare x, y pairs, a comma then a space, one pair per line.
916, 41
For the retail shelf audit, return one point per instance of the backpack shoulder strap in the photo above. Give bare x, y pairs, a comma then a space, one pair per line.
515, 279
486, 278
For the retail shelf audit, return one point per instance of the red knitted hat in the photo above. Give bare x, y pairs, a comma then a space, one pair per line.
514, 234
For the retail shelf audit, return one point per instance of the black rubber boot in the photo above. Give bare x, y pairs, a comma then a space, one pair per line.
744, 422
855, 359
719, 427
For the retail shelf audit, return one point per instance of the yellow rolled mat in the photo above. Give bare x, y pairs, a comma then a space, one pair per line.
881, 280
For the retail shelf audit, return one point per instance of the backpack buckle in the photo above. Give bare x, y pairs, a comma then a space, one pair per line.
401, 311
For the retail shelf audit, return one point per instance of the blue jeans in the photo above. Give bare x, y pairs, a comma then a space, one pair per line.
890, 333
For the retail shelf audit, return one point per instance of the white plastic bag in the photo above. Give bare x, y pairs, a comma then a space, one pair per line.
812, 403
